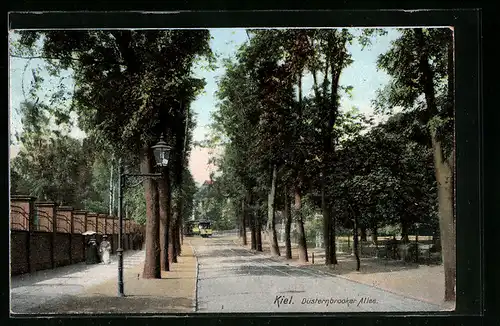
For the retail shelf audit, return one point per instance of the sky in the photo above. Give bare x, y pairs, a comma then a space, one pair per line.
362, 74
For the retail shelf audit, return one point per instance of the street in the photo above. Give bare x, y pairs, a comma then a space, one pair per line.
233, 279
228, 279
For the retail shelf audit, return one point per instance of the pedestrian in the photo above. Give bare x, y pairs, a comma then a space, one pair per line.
92, 251
105, 250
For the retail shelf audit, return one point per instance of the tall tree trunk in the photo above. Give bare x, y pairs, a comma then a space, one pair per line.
443, 166
356, 242
271, 216
302, 244
181, 234
404, 232
258, 230
171, 238
374, 230
244, 219
288, 224
253, 234
444, 176
251, 221
177, 242
152, 267
333, 245
326, 220
164, 203
240, 221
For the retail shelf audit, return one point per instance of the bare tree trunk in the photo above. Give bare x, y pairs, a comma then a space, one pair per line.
447, 226
253, 237
253, 234
171, 239
404, 232
152, 267
240, 221
271, 216
164, 203
244, 219
288, 225
181, 234
375, 236
443, 166
179, 226
333, 245
258, 230
326, 221
302, 244
178, 221
356, 243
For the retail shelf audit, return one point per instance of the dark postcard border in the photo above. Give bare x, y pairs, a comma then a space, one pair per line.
200, 5
234, 19
468, 129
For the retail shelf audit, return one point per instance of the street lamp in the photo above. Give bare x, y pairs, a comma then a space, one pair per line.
162, 153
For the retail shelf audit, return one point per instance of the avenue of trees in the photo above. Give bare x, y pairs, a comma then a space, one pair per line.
285, 147
285, 150
130, 87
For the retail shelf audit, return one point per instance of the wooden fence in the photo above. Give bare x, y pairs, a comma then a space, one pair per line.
44, 235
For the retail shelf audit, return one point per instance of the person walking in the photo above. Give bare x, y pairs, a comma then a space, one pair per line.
92, 256
105, 250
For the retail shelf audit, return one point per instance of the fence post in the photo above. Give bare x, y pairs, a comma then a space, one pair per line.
85, 224
54, 235
82, 227
26, 222
49, 219
96, 224
31, 226
66, 214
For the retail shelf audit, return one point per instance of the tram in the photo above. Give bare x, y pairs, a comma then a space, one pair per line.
205, 229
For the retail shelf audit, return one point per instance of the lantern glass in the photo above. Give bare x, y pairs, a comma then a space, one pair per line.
161, 152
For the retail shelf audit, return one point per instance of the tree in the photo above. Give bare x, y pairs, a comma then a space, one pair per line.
128, 85
421, 65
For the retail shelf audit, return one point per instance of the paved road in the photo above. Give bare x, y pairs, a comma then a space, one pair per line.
233, 279
30, 291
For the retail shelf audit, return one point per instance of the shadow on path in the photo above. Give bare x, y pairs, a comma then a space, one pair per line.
70, 271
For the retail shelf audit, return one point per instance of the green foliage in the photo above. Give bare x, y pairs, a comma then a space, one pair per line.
135, 204
407, 61
57, 169
385, 178
130, 86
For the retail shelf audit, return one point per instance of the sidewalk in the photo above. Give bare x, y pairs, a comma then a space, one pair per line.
174, 293
422, 282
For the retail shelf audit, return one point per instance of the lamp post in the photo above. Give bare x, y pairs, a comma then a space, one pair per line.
162, 153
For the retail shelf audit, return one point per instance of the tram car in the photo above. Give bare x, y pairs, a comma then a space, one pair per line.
205, 229
195, 228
